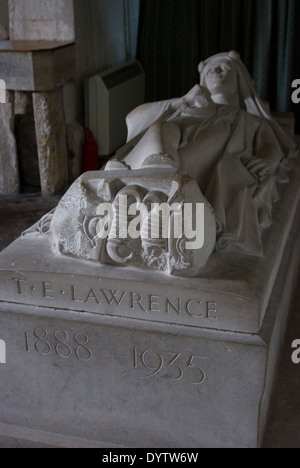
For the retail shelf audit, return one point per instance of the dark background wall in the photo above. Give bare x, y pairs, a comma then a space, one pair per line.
174, 35
106, 35
4, 13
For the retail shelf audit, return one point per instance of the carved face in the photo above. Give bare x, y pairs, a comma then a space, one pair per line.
220, 77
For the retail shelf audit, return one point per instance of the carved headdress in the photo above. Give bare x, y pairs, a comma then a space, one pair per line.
249, 99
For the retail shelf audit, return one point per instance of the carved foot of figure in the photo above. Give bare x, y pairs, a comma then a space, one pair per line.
159, 160
147, 219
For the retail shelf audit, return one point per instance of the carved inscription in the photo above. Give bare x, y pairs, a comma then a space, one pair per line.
59, 342
172, 366
98, 298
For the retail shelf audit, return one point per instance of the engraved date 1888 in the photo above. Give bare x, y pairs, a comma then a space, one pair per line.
60, 342
172, 366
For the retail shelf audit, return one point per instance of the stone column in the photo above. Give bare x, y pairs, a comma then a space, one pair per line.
52, 141
9, 168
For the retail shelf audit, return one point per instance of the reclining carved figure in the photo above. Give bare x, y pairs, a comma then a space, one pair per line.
216, 146
221, 134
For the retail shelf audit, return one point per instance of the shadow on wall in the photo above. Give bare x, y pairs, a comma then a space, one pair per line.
4, 13
106, 35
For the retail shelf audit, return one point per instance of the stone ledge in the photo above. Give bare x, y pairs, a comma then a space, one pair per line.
32, 46
38, 69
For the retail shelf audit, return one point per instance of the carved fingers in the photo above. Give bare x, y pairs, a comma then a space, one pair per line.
258, 167
195, 91
177, 103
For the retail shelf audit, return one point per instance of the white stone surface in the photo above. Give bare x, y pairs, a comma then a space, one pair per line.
52, 141
9, 171
39, 20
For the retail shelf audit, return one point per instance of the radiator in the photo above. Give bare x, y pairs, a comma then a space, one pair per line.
109, 97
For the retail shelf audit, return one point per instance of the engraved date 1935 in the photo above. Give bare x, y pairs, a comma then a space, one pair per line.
172, 366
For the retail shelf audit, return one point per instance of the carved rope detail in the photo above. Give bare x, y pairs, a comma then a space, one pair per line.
42, 228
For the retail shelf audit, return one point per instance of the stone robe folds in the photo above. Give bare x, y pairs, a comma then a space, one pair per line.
211, 143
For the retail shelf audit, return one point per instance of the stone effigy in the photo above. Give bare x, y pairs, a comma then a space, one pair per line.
148, 308
219, 134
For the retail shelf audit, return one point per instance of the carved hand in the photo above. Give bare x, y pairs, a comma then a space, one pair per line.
258, 167
197, 96
177, 103
193, 93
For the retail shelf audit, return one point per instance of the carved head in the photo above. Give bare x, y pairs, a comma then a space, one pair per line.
219, 75
226, 73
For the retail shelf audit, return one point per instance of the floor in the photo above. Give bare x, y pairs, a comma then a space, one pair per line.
283, 429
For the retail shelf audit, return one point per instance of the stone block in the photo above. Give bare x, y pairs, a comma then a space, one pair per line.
17, 71
37, 20
96, 379
9, 171
26, 66
52, 141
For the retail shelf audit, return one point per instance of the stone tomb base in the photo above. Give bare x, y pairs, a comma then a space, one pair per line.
111, 357
78, 380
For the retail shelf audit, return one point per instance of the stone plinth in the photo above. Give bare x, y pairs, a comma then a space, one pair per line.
104, 356
80, 379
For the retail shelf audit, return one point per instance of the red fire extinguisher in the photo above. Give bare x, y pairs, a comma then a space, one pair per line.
89, 152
